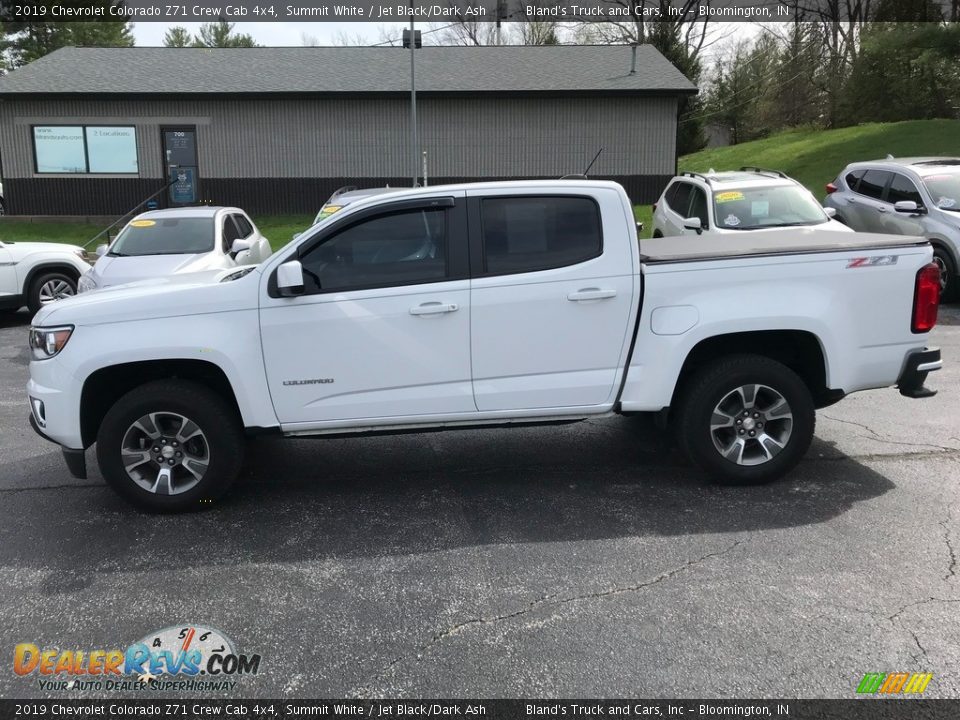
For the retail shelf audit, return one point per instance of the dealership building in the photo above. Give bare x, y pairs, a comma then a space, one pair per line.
95, 131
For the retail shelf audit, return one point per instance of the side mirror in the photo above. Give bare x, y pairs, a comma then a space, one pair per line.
693, 223
239, 246
909, 206
101, 250
830, 212
290, 278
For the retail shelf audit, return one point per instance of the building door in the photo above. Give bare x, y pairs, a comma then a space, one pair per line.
180, 160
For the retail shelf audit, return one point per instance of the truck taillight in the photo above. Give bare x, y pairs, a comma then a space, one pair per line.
831, 188
926, 299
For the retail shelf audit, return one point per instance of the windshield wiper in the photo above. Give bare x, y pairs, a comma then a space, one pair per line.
117, 254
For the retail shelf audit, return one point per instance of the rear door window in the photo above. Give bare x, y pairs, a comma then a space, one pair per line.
526, 234
853, 179
873, 182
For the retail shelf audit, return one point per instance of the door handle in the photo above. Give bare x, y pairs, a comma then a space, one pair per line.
591, 294
434, 308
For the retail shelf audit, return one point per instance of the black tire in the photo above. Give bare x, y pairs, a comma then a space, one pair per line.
948, 270
716, 382
34, 302
657, 234
221, 431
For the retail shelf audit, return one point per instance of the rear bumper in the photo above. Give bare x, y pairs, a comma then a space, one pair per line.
915, 370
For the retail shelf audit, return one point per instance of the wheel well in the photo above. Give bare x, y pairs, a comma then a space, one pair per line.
797, 349
107, 385
657, 234
50, 267
940, 245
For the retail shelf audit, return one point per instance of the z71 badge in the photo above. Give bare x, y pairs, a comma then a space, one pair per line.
875, 261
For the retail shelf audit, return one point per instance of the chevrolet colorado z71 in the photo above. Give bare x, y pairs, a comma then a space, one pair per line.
482, 304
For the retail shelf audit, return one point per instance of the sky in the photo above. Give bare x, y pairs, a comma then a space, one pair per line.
283, 33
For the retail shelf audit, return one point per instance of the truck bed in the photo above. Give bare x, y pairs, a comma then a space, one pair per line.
753, 243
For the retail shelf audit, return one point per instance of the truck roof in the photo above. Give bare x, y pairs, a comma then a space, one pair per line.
766, 242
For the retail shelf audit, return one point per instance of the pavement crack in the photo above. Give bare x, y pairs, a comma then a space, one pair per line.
877, 436
546, 601
952, 565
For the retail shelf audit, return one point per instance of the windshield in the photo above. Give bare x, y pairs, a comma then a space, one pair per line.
944, 189
165, 236
764, 207
325, 212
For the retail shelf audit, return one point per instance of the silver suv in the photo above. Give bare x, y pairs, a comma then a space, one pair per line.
906, 196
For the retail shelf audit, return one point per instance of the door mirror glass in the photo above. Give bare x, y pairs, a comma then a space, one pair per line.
290, 278
239, 246
830, 212
101, 250
907, 206
693, 223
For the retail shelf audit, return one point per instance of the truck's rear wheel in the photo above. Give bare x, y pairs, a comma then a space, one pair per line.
170, 446
745, 419
948, 274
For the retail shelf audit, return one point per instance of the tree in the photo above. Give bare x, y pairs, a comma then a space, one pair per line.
220, 35
24, 42
177, 36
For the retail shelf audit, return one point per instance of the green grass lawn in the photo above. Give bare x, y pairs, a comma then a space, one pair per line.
815, 157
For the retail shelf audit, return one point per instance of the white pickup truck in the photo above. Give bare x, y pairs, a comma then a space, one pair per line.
482, 304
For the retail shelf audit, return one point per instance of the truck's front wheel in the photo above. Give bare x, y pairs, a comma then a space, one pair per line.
745, 419
170, 446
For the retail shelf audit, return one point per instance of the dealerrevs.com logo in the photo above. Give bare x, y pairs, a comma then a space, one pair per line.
191, 658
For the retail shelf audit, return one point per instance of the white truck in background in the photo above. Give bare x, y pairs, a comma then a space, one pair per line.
482, 304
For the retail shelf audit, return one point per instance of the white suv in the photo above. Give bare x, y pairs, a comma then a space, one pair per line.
37, 273
733, 201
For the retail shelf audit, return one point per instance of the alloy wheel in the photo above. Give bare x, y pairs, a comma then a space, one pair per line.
751, 424
165, 453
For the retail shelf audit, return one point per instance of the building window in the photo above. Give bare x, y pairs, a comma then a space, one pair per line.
90, 149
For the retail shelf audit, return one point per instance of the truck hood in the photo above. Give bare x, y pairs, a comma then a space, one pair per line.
110, 270
178, 295
26, 248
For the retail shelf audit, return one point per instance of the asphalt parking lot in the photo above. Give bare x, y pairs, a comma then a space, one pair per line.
582, 561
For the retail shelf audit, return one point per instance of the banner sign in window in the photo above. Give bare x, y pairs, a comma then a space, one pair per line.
60, 149
92, 149
112, 149
183, 191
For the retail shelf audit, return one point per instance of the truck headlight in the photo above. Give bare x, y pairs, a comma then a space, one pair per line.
86, 282
45, 343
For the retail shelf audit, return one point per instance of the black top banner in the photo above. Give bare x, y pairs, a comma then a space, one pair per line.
866, 709
454, 11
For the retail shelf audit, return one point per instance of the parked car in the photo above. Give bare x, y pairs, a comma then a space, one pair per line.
346, 195
37, 273
906, 196
179, 240
399, 315
733, 201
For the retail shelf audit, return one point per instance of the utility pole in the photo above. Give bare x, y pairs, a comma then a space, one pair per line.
411, 39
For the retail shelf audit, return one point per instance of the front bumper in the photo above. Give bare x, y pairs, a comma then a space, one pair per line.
76, 460
915, 371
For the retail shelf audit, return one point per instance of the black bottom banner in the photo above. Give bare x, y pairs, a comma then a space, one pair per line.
865, 709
